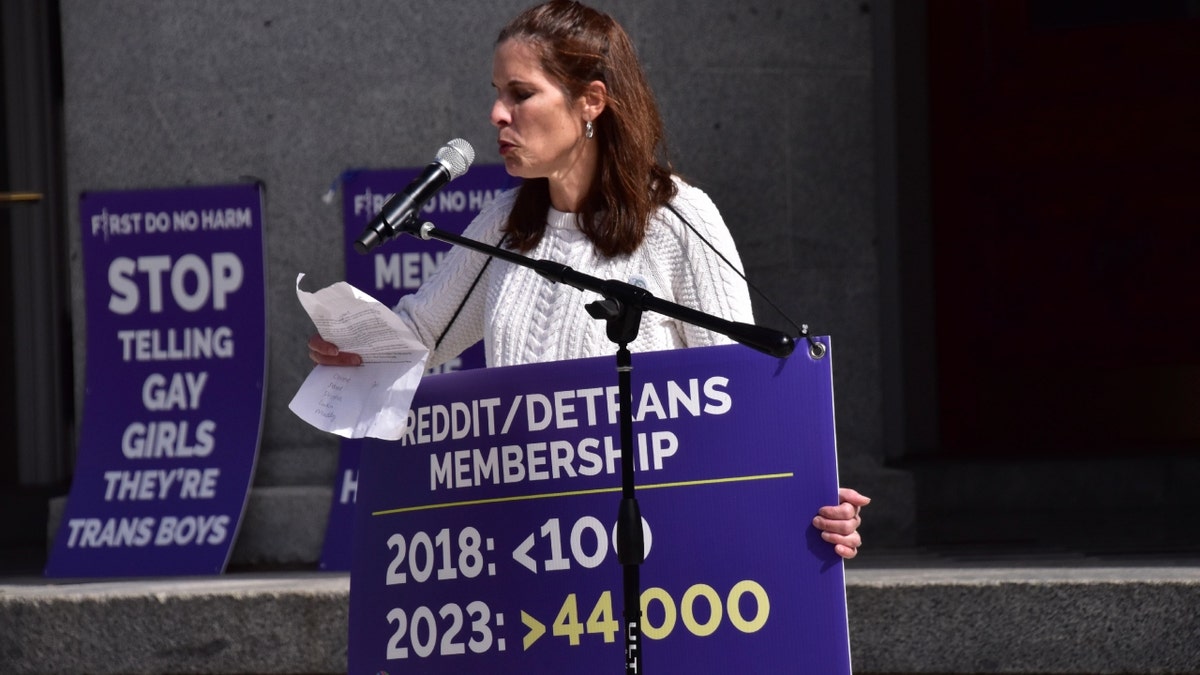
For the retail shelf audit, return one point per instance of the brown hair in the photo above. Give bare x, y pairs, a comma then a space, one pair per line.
577, 45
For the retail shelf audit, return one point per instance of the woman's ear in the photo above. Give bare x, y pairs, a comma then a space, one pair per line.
594, 99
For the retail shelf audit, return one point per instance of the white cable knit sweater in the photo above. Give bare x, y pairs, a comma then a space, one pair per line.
523, 317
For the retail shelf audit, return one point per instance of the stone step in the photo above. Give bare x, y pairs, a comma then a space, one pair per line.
903, 619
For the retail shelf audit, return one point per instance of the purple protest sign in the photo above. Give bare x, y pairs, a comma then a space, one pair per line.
389, 273
484, 539
176, 362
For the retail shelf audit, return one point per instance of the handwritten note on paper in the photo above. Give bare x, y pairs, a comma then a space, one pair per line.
368, 400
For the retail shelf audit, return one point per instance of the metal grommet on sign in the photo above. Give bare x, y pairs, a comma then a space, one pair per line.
816, 349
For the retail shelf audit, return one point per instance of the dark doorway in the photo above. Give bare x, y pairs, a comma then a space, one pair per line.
1064, 160
36, 416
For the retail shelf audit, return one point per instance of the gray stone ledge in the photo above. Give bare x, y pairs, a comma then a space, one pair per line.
271, 623
922, 620
1025, 620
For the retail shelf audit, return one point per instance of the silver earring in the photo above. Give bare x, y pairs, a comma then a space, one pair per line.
589, 130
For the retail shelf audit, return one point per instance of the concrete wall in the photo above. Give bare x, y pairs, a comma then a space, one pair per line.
768, 106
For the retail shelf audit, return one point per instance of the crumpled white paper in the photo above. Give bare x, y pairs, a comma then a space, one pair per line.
368, 400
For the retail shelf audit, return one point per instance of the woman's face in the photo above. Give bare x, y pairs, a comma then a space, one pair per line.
540, 129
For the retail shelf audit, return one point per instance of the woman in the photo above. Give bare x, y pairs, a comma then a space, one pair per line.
577, 121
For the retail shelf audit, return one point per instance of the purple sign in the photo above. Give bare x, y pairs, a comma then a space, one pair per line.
391, 272
484, 539
176, 363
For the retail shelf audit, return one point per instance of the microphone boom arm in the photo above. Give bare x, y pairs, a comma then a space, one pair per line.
766, 340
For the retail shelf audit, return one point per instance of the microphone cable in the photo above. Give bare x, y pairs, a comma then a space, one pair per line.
815, 348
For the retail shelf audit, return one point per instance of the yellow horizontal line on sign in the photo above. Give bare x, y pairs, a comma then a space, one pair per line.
579, 493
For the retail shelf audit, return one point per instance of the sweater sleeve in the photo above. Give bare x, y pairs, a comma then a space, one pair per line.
450, 304
708, 277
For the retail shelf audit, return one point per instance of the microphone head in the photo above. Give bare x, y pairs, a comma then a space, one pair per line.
456, 156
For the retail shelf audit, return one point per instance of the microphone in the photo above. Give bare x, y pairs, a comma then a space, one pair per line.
452, 161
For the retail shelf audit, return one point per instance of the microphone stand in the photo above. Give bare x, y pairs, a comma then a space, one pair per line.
622, 309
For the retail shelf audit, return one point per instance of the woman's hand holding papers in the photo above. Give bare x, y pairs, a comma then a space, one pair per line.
325, 353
